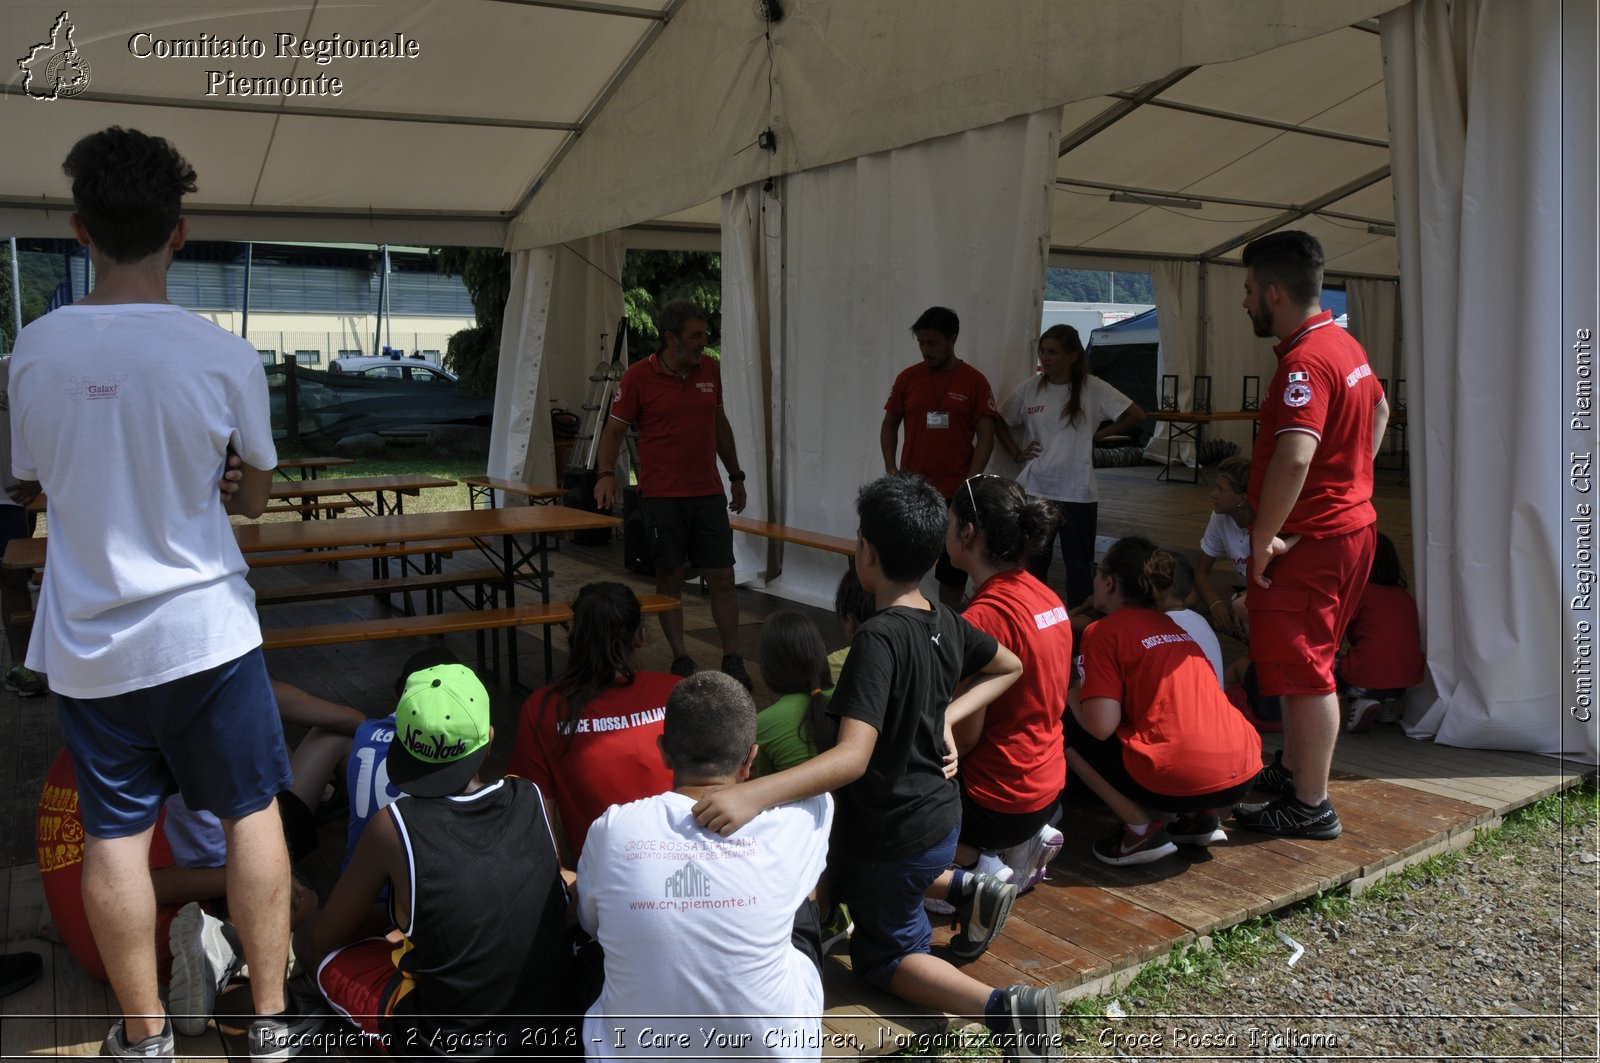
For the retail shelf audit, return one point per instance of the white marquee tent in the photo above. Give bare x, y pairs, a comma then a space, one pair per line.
856, 162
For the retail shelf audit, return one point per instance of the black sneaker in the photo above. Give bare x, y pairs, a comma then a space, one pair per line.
1275, 778
281, 1037
1291, 818
982, 914
1122, 847
733, 665
1033, 1024
1197, 830
683, 666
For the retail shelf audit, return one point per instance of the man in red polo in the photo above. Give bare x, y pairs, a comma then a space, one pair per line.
674, 399
949, 413
1314, 531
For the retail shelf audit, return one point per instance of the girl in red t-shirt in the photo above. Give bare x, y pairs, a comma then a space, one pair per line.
588, 740
1385, 657
1012, 765
1151, 732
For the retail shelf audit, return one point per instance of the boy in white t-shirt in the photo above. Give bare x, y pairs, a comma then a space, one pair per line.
125, 408
699, 931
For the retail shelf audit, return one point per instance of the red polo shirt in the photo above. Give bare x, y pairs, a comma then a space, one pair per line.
1324, 387
940, 412
677, 422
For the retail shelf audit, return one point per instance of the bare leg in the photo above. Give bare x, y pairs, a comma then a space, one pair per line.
313, 763
121, 905
1124, 809
670, 583
1310, 729
933, 983
724, 606
258, 899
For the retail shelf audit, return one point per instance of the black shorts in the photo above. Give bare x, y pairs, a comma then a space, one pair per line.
984, 828
691, 531
1105, 756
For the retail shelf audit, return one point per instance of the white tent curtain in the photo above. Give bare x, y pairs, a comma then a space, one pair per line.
961, 221
1373, 315
1474, 88
562, 300
1177, 288
752, 236
1233, 351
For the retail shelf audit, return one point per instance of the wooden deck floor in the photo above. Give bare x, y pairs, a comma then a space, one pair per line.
1086, 926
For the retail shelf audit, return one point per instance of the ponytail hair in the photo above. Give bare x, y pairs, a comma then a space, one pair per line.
1067, 336
605, 620
1014, 524
1126, 563
794, 661
1168, 574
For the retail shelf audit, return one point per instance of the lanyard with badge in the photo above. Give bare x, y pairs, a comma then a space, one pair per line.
938, 418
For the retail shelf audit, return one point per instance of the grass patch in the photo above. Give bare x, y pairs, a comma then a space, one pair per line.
1192, 968
417, 460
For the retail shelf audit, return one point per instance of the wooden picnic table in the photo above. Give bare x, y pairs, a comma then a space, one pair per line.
1190, 425
479, 525
309, 466
835, 544
482, 489
397, 484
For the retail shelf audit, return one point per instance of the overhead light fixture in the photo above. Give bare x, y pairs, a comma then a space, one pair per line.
1156, 201
1381, 230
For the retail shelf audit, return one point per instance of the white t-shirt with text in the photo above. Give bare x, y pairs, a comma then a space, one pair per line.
696, 931
125, 413
1224, 540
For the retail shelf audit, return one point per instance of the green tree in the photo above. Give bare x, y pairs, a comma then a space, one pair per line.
652, 279
8, 325
473, 354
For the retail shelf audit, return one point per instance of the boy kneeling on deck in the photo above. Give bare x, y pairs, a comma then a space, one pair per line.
472, 956
899, 811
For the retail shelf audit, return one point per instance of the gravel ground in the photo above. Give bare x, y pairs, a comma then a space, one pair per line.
1488, 953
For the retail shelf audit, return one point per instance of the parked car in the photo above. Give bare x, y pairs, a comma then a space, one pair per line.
393, 367
360, 395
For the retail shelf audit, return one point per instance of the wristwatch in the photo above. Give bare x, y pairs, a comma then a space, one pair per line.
736, 477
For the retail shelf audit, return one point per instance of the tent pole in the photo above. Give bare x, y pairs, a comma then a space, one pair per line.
16, 290
383, 297
244, 317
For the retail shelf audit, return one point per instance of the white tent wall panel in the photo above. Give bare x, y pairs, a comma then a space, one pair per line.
870, 244
1475, 94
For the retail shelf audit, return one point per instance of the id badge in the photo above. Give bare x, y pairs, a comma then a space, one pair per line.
938, 419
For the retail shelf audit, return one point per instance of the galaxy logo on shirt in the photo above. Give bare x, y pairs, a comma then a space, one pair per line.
80, 387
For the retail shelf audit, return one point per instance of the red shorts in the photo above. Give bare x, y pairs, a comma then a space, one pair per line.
1298, 623
361, 983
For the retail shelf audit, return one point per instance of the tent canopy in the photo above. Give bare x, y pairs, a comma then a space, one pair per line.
534, 122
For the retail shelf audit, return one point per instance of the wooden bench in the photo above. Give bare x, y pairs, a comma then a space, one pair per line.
310, 507
835, 544
475, 620
428, 582
442, 548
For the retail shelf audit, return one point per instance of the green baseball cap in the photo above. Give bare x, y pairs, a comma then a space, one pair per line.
441, 731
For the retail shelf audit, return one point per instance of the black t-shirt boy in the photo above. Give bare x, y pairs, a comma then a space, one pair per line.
902, 667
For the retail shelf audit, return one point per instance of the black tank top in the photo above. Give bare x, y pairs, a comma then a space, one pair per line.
487, 947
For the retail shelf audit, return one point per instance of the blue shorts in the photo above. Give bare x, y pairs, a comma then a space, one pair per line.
214, 736
885, 899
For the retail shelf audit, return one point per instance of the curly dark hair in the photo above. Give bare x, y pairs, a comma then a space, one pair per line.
127, 188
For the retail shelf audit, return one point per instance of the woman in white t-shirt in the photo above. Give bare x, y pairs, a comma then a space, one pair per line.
1059, 411
1226, 538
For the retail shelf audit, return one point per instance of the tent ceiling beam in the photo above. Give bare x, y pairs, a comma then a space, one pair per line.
589, 8
1349, 188
1223, 201
1128, 103
650, 37
291, 111
1267, 123
201, 210
1132, 261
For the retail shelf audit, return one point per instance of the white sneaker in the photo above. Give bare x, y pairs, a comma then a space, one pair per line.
990, 863
1028, 860
204, 961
